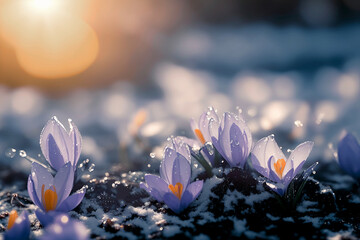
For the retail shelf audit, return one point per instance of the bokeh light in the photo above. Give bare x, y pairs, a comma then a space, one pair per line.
49, 41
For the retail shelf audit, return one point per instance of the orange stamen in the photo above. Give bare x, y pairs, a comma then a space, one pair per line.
12, 218
49, 198
200, 136
279, 167
177, 189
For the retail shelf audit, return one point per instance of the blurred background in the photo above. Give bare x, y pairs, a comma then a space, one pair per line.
132, 73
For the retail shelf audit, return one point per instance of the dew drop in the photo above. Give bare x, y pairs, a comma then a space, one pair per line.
92, 167
22, 153
148, 165
152, 155
298, 123
210, 148
239, 109
11, 153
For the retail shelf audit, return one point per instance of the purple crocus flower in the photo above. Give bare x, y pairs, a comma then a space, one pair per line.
349, 155
52, 193
232, 138
18, 226
268, 159
64, 227
173, 186
180, 145
59, 146
202, 132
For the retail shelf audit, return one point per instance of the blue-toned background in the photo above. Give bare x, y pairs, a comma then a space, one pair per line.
291, 68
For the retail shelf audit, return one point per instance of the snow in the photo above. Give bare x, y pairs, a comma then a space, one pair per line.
306, 206
239, 227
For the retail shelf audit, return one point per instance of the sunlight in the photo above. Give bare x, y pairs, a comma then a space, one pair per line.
43, 5
49, 41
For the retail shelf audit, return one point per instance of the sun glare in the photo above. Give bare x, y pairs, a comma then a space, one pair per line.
49, 41
43, 5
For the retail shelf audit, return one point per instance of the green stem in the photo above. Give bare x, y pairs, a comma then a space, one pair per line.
204, 163
298, 194
217, 158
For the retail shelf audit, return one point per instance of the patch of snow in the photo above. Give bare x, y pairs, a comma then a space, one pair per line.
239, 227
289, 219
272, 218
201, 237
305, 206
170, 231
316, 222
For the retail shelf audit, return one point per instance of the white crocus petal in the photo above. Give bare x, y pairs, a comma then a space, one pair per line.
258, 152
193, 124
272, 149
245, 129
300, 154
214, 126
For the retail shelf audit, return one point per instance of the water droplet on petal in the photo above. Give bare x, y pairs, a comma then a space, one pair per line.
210, 148
152, 155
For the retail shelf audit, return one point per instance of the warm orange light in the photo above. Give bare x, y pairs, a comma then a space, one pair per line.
42, 5
50, 42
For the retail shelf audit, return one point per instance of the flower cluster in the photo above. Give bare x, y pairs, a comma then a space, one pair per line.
225, 138
232, 138
51, 194
62, 151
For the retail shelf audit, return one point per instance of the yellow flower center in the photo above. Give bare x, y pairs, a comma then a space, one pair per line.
177, 189
200, 136
279, 167
12, 218
49, 198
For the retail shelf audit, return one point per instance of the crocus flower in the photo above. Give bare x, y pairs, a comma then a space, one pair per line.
202, 133
64, 227
173, 186
268, 159
349, 155
52, 193
232, 138
180, 145
18, 226
59, 146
